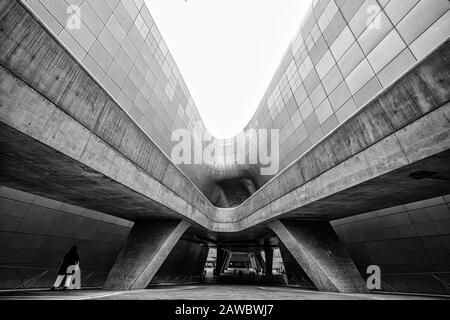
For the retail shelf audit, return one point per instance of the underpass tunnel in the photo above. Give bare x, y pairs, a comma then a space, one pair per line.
269, 266
255, 256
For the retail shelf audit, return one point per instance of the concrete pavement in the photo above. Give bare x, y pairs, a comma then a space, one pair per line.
204, 292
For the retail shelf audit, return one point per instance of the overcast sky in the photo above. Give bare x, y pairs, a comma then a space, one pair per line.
227, 52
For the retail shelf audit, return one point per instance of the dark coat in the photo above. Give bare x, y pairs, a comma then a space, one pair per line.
70, 258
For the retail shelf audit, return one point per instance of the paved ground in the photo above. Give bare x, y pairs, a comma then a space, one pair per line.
200, 292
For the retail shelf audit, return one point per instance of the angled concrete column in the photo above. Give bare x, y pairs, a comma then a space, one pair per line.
294, 273
185, 264
252, 261
268, 252
260, 261
145, 250
227, 261
220, 257
317, 249
222, 260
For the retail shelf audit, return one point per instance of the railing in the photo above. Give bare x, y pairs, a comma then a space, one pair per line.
28, 282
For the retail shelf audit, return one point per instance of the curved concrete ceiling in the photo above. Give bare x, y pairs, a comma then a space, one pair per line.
44, 89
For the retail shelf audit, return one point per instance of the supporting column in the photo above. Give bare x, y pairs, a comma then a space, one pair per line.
294, 273
316, 248
227, 261
148, 245
268, 252
260, 261
252, 261
185, 264
220, 260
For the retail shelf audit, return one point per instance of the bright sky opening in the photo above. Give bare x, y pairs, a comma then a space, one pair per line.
227, 52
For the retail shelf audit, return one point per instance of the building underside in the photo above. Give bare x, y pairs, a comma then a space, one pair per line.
364, 154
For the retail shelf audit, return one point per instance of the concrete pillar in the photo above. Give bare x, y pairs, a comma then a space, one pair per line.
268, 252
255, 262
260, 261
220, 260
148, 245
227, 261
316, 248
294, 272
252, 261
224, 261
185, 264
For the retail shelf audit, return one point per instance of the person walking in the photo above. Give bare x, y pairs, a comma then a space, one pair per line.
70, 258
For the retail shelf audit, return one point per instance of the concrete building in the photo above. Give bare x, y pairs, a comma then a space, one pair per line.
86, 119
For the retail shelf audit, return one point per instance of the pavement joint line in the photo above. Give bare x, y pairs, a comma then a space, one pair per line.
129, 292
172, 289
291, 290
104, 295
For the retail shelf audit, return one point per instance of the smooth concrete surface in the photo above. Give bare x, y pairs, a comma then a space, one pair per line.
404, 128
205, 292
316, 248
147, 247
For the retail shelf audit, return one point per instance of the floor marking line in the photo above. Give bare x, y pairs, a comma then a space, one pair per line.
172, 289
102, 295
